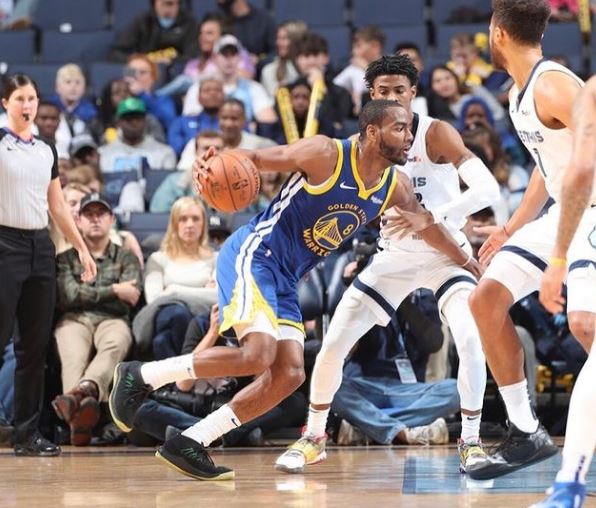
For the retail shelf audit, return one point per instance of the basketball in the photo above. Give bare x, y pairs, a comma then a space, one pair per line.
233, 184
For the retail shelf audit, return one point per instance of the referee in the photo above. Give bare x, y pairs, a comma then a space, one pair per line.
29, 189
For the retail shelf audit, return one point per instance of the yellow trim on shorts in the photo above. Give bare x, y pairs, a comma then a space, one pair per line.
363, 192
258, 304
332, 180
390, 191
294, 324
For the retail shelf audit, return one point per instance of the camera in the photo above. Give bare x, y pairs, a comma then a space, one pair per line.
194, 403
363, 249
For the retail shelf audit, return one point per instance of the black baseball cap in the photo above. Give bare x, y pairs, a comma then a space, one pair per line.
94, 197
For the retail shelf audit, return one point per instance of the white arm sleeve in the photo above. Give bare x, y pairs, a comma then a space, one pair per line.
483, 190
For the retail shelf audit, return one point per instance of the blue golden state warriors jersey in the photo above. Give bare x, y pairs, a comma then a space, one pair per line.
305, 223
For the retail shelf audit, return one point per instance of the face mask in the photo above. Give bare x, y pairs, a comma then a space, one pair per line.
166, 22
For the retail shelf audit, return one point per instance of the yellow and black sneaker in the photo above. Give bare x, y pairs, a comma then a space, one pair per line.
307, 450
190, 458
470, 453
128, 393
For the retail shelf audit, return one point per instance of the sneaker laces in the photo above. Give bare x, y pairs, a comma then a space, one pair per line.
192, 453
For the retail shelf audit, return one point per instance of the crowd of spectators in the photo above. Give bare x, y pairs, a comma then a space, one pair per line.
235, 80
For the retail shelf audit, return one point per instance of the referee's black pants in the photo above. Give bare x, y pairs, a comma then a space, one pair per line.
27, 294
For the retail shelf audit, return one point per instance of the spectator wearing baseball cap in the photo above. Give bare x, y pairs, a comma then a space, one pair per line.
257, 103
83, 150
93, 333
133, 141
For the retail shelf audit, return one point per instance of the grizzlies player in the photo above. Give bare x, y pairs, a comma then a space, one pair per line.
436, 161
577, 221
540, 105
337, 187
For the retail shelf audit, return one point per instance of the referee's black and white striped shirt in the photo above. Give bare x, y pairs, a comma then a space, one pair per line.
26, 168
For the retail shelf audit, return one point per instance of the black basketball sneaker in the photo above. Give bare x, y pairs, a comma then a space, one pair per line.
128, 393
190, 458
518, 450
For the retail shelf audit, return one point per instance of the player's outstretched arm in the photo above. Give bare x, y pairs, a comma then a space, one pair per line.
412, 217
575, 196
315, 156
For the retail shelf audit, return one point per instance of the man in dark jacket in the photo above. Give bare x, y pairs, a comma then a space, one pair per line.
165, 33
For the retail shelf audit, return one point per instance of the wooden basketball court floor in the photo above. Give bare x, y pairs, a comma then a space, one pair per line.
351, 477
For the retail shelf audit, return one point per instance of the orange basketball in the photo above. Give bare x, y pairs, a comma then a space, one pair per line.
233, 184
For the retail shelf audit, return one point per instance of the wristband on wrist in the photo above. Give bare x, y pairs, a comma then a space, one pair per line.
467, 260
558, 262
506, 232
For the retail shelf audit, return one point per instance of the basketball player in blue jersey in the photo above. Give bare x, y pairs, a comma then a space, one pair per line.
436, 161
337, 186
569, 490
540, 105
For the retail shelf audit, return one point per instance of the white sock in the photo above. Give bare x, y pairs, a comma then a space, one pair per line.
519, 410
316, 422
470, 428
580, 437
215, 425
162, 372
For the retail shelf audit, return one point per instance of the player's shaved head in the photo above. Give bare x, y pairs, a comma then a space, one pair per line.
373, 113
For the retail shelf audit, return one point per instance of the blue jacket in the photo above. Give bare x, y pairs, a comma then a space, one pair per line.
85, 110
161, 107
184, 128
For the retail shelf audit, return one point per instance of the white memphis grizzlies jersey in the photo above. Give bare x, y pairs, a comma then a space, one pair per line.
434, 185
550, 148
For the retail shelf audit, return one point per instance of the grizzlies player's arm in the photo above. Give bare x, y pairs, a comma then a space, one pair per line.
578, 181
444, 145
415, 218
315, 156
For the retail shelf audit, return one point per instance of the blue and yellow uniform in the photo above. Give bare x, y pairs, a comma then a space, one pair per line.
260, 265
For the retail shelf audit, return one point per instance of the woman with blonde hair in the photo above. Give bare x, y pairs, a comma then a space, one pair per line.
178, 274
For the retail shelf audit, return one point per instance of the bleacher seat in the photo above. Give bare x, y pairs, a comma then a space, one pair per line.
78, 47
383, 12
43, 74
143, 224
81, 15
311, 296
397, 34
239, 219
124, 11
340, 43
100, 73
313, 12
562, 39
201, 7
444, 34
153, 179
441, 9
17, 46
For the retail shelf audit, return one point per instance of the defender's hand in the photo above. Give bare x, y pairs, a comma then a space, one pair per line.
551, 288
497, 236
474, 267
399, 220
